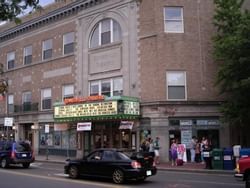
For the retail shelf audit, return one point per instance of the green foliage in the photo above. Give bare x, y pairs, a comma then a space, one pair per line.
9, 10
232, 51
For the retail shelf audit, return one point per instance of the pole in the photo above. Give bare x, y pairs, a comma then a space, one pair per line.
47, 149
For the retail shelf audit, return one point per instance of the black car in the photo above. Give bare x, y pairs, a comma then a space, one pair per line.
12, 152
114, 164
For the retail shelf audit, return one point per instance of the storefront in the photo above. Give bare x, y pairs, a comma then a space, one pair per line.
83, 124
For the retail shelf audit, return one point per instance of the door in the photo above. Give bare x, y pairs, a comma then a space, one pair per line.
86, 142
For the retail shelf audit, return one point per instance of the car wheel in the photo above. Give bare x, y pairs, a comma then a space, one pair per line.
248, 181
118, 176
26, 165
73, 172
4, 163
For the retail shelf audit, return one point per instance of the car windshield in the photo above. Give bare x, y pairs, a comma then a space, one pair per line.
22, 147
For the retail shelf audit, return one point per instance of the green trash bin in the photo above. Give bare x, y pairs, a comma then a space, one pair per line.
217, 161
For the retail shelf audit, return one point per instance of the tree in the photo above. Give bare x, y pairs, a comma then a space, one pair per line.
232, 51
9, 10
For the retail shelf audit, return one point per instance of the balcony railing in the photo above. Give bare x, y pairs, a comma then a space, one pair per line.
26, 107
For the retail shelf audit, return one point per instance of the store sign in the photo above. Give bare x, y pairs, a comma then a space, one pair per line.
185, 122
46, 128
8, 121
208, 122
131, 107
86, 126
83, 99
61, 127
126, 125
86, 109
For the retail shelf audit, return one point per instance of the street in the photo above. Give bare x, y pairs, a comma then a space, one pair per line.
50, 175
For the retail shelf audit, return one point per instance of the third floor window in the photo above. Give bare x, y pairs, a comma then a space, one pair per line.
68, 43
47, 49
27, 53
106, 31
173, 20
10, 60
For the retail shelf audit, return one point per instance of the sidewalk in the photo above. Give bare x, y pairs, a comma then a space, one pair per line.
187, 167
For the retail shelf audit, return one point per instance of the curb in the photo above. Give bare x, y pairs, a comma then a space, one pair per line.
191, 170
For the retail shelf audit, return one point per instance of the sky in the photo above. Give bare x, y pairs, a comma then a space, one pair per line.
41, 2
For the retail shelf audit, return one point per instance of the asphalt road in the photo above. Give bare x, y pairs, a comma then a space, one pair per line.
50, 175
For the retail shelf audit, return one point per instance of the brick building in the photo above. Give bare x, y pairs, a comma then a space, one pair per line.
157, 53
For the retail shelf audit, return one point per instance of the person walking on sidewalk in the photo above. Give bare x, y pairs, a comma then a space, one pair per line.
174, 152
156, 150
193, 147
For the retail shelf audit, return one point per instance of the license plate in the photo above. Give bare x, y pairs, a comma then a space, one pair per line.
149, 173
24, 155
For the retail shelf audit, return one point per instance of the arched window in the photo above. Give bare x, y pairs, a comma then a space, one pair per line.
106, 31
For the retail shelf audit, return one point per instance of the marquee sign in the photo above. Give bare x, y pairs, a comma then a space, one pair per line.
86, 109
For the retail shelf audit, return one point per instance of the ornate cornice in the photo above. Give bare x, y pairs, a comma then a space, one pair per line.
53, 16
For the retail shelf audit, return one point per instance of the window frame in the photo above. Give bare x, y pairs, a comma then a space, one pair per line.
44, 98
45, 49
10, 103
185, 85
100, 34
68, 43
64, 87
11, 60
168, 20
27, 57
26, 104
99, 84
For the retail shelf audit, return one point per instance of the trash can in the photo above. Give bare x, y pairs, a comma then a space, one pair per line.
228, 159
217, 161
207, 155
244, 152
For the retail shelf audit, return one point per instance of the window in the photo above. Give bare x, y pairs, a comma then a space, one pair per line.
46, 99
68, 43
108, 87
176, 85
26, 98
68, 91
27, 53
173, 20
10, 103
47, 49
106, 31
10, 60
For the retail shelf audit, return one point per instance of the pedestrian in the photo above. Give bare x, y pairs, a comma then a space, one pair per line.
156, 150
198, 152
151, 147
193, 148
174, 152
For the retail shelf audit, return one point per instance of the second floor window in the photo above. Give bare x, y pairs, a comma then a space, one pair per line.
68, 43
26, 100
173, 20
46, 99
106, 31
108, 87
10, 60
47, 49
176, 85
10, 103
68, 91
27, 55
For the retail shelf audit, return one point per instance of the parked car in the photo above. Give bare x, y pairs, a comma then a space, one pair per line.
12, 152
243, 170
114, 164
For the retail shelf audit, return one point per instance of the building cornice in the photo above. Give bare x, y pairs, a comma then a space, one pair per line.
53, 16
